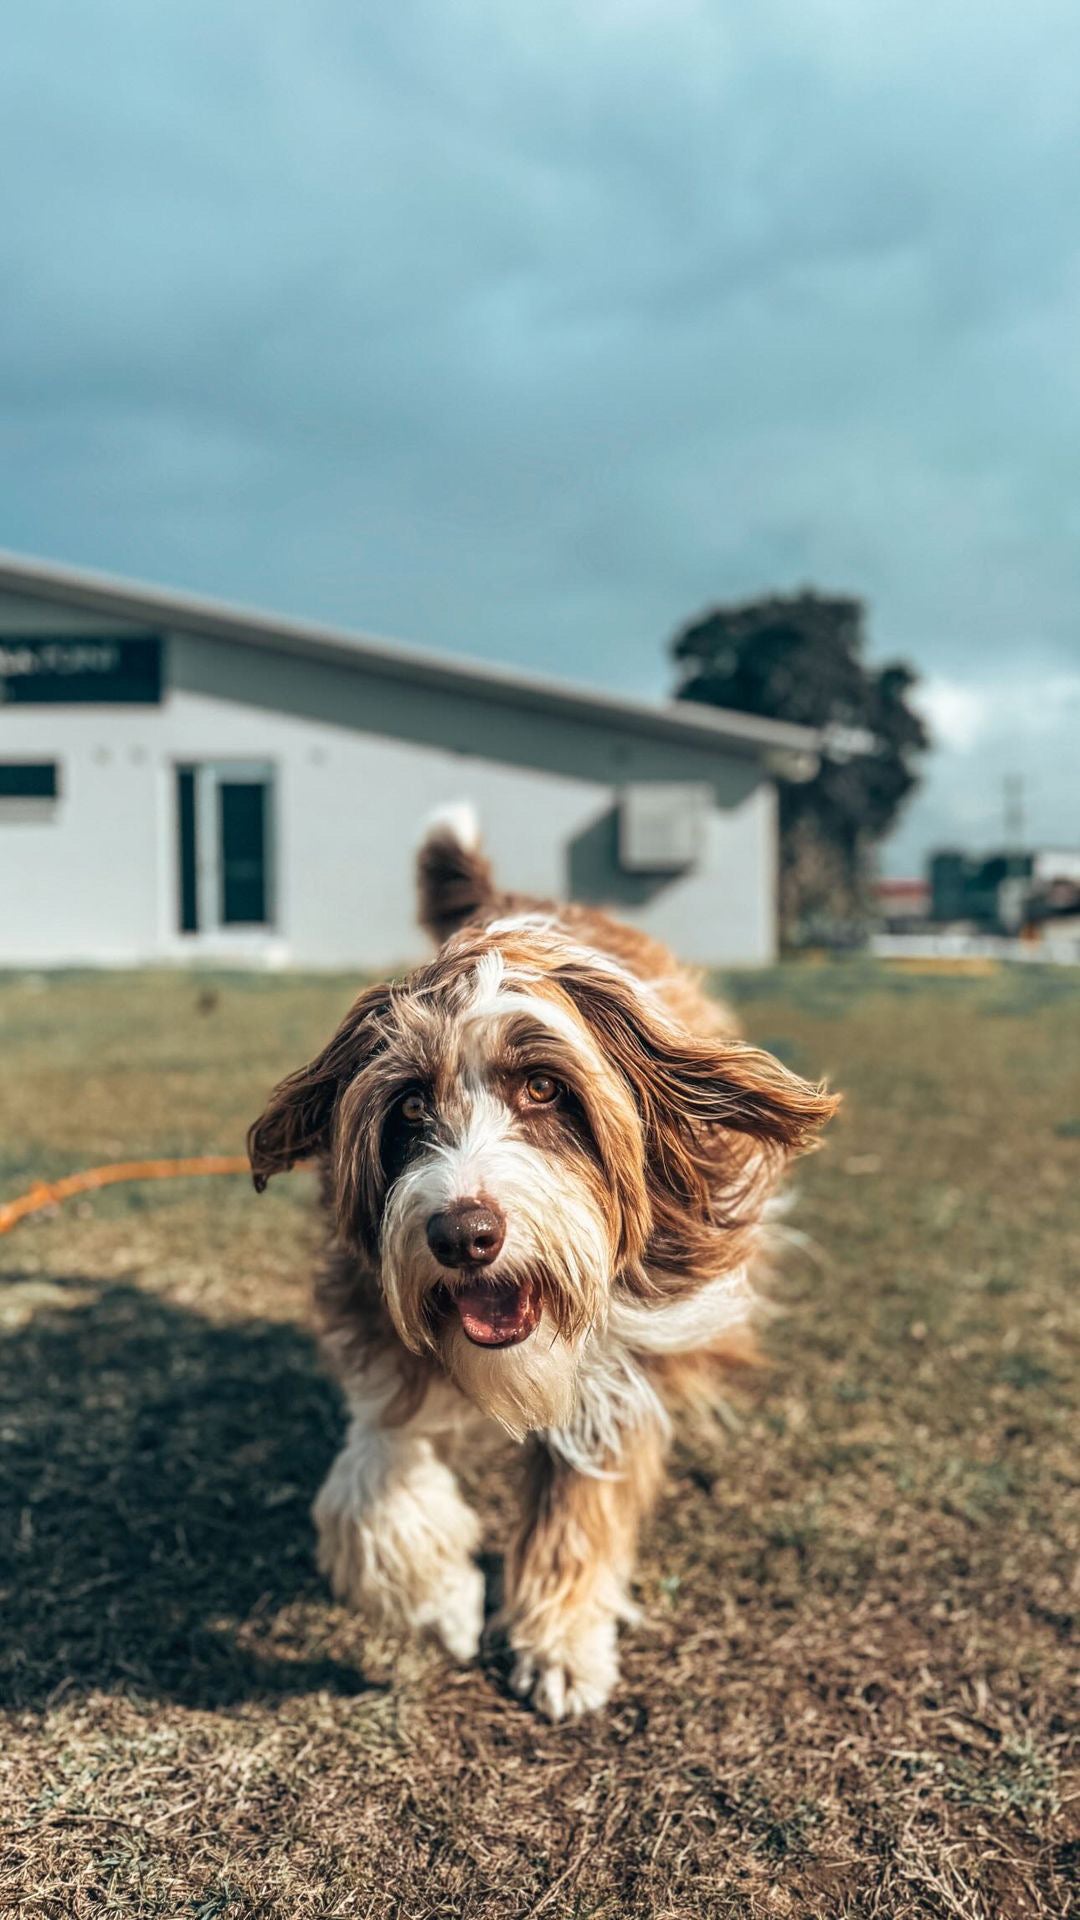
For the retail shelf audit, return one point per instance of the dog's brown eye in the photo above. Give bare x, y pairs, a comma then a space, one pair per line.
413, 1109
541, 1089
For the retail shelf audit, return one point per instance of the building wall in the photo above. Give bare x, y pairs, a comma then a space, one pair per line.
359, 761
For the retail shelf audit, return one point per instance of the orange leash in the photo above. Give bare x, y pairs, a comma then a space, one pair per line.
48, 1193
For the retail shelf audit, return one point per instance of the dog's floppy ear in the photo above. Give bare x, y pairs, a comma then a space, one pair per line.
297, 1120
688, 1085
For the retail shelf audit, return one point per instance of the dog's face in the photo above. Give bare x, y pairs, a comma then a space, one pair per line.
514, 1131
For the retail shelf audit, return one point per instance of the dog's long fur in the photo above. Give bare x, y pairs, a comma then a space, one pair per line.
633, 1201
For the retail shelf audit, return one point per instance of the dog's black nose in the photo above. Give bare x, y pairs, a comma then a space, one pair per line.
467, 1235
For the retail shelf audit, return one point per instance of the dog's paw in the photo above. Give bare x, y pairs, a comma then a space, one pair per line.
339, 1553
453, 1615
576, 1678
459, 1621
556, 1691
396, 1545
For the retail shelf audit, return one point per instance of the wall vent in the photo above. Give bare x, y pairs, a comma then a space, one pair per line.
662, 826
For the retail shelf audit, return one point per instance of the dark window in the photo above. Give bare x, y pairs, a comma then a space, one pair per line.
185, 813
28, 780
243, 852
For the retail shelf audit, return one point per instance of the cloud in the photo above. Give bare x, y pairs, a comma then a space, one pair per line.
962, 716
529, 331
955, 712
1016, 731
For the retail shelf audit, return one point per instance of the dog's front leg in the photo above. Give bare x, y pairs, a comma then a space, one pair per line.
569, 1573
395, 1537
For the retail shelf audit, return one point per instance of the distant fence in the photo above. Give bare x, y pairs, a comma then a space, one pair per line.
1054, 950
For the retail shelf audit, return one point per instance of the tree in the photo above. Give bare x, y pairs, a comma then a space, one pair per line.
799, 657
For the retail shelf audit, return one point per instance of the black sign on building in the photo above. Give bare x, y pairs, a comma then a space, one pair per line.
98, 669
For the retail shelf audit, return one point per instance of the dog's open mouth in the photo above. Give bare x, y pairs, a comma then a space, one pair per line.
497, 1313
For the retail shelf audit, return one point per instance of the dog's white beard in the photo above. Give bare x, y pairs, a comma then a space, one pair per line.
526, 1387
555, 1236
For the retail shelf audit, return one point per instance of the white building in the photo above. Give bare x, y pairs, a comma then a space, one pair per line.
185, 781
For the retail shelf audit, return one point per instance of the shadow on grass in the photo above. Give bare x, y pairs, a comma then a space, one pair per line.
157, 1472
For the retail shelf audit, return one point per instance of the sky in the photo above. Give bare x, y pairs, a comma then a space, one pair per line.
530, 331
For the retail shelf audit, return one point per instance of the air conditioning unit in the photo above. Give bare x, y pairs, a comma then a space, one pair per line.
662, 826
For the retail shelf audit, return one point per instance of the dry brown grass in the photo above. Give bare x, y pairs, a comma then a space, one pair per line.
850, 1698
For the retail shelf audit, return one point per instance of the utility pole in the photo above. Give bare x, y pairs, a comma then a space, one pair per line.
1014, 812
1012, 894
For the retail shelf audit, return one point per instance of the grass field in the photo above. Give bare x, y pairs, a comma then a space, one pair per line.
849, 1697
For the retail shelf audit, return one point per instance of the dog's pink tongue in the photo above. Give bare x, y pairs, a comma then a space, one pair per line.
497, 1313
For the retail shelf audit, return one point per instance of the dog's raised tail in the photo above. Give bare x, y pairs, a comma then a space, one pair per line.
453, 872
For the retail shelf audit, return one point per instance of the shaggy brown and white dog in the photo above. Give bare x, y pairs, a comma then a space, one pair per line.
547, 1160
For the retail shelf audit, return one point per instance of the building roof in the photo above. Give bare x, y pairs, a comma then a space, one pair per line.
793, 749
